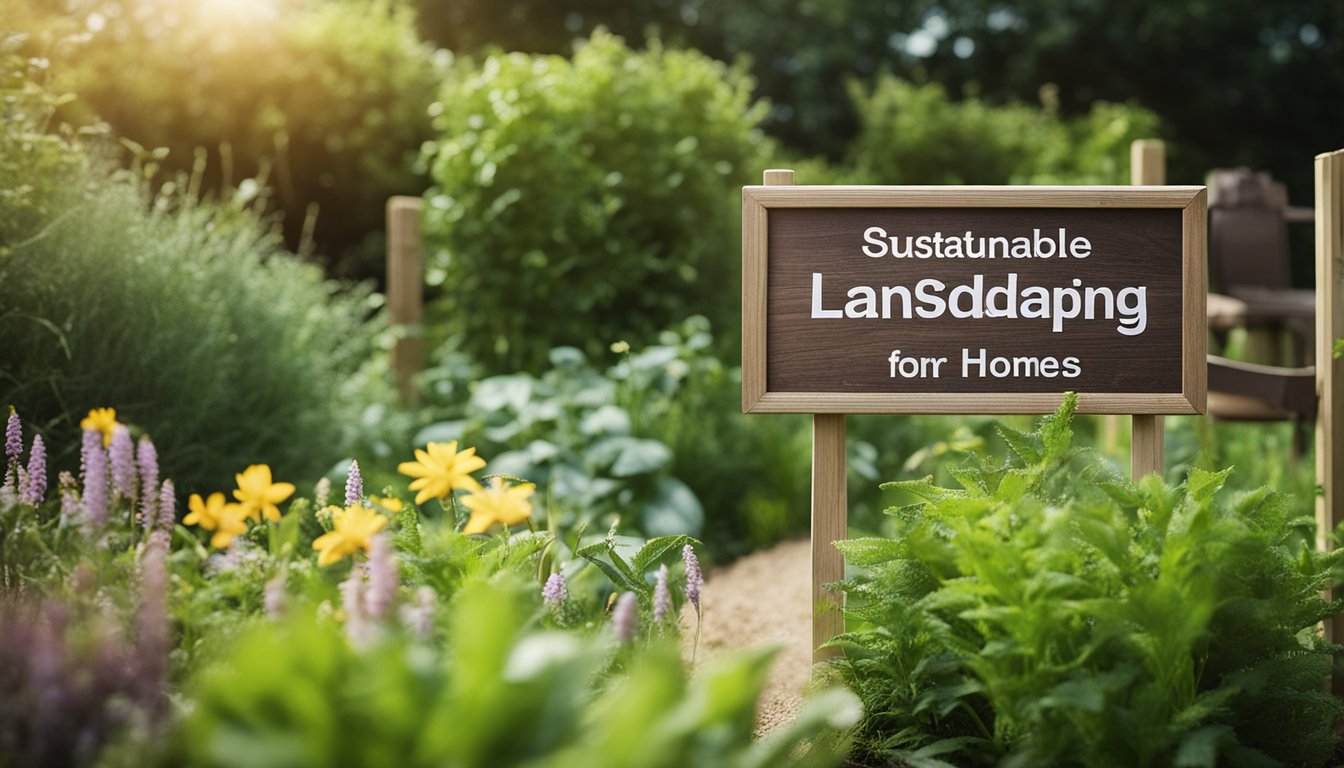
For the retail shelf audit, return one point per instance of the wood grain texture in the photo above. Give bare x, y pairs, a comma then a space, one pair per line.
1329, 370
1147, 454
405, 291
829, 525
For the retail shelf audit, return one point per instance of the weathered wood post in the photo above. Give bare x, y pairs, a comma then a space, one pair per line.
405, 292
830, 510
1329, 368
1147, 167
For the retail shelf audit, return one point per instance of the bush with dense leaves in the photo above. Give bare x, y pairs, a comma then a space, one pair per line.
916, 134
327, 100
579, 201
1050, 612
189, 318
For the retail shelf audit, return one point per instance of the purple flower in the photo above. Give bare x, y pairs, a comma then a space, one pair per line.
34, 486
93, 465
662, 597
167, 507
69, 496
321, 492
354, 486
556, 592
147, 462
624, 617
13, 438
121, 455
694, 580
383, 579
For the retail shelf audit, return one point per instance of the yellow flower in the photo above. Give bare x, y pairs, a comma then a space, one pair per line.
214, 514
441, 469
620, 347
101, 420
498, 503
204, 513
232, 521
258, 495
352, 528
389, 503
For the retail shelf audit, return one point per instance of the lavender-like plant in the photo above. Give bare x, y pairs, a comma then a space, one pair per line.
383, 579
354, 486
121, 456
694, 580
321, 493
147, 462
167, 506
93, 464
34, 485
625, 617
69, 497
662, 597
556, 591
13, 445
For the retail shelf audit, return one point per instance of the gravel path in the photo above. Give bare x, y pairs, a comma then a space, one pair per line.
762, 599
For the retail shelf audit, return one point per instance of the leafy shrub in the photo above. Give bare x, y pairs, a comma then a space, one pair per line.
188, 317
298, 693
657, 439
581, 201
915, 134
1050, 612
566, 431
326, 99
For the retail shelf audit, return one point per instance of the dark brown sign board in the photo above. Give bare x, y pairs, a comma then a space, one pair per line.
973, 299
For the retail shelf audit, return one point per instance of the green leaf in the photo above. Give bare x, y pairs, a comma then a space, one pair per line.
1199, 748
654, 550
640, 457
673, 510
1204, 484
604, 555
1022, 444
868, 552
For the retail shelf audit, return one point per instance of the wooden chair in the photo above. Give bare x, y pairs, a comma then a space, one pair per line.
1249, 263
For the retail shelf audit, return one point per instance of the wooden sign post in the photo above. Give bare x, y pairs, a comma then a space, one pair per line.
1329, 368
405, 286
965, 300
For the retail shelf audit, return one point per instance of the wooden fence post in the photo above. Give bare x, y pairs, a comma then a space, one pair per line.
830, 511
405, 292
1329, 369
1147, 166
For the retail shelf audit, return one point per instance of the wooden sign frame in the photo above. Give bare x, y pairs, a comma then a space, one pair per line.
758, 201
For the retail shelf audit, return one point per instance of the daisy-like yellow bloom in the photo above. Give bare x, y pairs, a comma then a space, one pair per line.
227, 520
204, 513
102, 420
232, 521
352, 529
498, 503
441, 469
258, 495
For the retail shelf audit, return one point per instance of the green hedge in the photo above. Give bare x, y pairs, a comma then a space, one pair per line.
582, 201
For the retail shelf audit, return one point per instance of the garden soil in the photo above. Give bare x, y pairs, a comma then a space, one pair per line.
761, 599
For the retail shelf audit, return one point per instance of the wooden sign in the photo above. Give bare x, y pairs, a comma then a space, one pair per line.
973, 299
